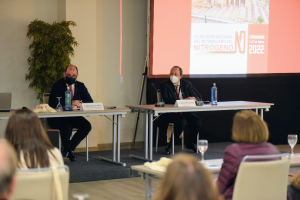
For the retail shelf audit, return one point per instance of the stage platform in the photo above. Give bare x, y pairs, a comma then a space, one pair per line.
94, 170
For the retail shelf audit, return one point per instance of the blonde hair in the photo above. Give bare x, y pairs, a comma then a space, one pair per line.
248, 127
186, 179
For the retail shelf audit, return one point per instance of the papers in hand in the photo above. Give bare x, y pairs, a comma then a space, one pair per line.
92, 106
44, 108
160, 165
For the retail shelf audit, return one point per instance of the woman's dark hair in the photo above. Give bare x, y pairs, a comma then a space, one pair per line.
27, 135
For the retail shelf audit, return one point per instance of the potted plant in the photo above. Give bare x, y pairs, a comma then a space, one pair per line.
50, 51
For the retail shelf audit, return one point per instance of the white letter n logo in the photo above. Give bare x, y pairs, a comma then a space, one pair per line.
240, 41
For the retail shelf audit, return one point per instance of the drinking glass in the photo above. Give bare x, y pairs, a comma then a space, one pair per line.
292, 140
59, 106
202, 146
81, 196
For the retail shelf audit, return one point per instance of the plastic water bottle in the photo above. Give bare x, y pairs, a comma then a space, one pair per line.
214, 95
68, 100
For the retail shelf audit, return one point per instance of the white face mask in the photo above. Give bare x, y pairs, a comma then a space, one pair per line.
174, 79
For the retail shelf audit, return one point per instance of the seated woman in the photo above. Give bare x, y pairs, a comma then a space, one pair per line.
251, 134
26, 134
186, 179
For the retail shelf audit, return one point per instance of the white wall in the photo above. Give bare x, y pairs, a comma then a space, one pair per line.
15, 16
97, 56
110, 90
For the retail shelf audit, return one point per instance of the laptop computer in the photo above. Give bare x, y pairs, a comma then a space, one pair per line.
5, 102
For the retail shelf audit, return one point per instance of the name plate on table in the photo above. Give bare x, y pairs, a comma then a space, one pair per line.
92, 106
185, 103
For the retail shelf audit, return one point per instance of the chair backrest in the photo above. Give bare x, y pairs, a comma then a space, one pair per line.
46, 101
46, 98
38, 183
262, 179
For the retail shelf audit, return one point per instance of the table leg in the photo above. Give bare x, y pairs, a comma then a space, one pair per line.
147, 123
262, 113
118, 139
116, 143
150, 135
146, 134
114, 138
148, 186
256, 110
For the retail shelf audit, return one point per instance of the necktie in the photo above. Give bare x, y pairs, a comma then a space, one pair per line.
177, 92
71, 89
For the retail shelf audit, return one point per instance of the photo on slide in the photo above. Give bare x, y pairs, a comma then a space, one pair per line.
229, 37
230, 11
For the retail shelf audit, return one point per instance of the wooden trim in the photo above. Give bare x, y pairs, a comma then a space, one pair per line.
108, 146
83, 149
151, 38
124, 145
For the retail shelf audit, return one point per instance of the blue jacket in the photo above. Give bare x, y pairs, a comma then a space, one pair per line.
59, 88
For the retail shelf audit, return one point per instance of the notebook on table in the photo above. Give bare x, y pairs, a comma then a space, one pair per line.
5, 102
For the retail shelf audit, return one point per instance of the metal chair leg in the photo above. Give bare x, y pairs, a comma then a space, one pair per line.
157, 135
173, 140
87, 148
197, 142
182, 141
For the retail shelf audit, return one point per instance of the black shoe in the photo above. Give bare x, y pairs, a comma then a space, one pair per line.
70, 155
168, 150
191, 146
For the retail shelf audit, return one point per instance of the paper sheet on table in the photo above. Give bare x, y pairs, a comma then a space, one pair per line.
160, 165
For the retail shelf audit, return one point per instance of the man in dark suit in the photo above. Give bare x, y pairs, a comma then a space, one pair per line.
171, 90
65, 125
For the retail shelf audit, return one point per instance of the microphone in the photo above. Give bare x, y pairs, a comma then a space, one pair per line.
158, 104
198, 103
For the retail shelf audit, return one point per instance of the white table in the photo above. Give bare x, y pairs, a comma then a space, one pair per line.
214, 166
151, 110
116, 113
149, 174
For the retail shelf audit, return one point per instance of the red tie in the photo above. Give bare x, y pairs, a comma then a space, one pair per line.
71, 89
177, 93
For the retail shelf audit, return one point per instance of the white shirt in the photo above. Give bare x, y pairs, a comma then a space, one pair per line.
73, 88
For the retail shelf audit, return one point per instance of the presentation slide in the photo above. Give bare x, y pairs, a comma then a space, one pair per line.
212, 37
229, 37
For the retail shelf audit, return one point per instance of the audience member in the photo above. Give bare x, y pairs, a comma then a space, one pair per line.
8, 166
26, 134
186, 179
251, 134
175, 88
79, 94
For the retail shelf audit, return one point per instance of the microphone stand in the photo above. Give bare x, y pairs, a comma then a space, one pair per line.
198, 103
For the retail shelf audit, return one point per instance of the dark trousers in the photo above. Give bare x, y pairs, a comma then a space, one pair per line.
66, 125
293, 192
180, 120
